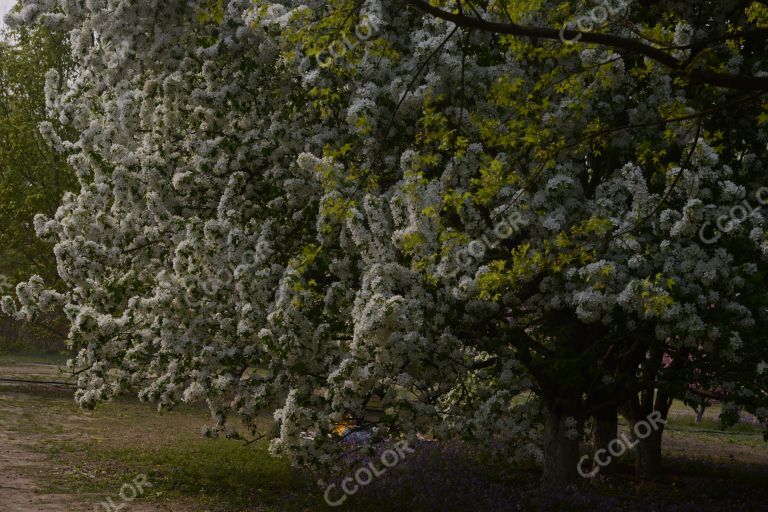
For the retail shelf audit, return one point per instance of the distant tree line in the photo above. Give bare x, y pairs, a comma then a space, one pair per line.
33, 176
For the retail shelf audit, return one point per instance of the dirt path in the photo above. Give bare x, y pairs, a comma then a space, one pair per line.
22, 468
17, 492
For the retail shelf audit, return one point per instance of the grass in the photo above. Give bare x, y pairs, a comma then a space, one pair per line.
220, 475
100, 450
9, 359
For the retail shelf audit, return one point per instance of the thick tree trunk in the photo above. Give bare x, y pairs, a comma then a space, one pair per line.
606, 429
648, 453
648, 450
561, 452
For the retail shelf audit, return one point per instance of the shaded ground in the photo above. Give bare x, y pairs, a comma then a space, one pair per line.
54, 457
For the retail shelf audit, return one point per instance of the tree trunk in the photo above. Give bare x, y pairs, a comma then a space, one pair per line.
700, 412
606, 429
648, 453
648, 450
561, 452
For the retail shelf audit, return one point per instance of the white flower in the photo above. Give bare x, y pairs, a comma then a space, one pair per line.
194, 392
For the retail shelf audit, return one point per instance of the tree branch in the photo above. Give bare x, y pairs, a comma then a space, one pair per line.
694, 76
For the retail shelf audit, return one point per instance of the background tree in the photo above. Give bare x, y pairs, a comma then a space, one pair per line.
33, 176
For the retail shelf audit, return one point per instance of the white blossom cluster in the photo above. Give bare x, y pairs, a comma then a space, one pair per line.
198, 156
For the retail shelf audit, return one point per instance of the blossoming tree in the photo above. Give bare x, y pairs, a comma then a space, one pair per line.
274, 222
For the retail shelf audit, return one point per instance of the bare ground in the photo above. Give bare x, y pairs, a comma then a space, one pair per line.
25, 469
20, 490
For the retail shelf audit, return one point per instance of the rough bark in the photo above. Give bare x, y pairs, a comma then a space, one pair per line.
606, 429
561, 452
648, 456
648, 449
